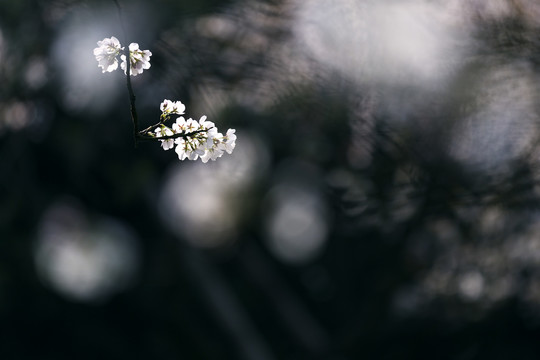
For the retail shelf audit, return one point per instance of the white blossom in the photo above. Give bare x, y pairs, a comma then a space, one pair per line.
180, 125
139, 60
172, 107
196, 138
229, 141
166, 106
107, 56
165, 144
211, 154
106, 53
181, 149
206, 124
212, 148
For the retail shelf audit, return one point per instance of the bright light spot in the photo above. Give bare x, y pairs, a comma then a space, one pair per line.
401, 43
471, 285
297, 223
82, 259
201, 201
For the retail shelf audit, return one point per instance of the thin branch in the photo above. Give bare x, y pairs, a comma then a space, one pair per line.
144, 135
133, 109
152, 127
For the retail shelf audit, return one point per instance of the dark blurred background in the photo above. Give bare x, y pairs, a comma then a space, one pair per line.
381, 202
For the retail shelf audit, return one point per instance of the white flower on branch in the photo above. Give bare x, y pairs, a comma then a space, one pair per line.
107, 56
106, 53
165, 144
229, 141
172, 107
194, 139
139, 60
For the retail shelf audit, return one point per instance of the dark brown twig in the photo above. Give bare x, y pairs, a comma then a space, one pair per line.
133, 109
132, 98
144, 135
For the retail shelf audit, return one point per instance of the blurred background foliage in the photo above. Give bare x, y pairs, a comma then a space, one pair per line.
382, 200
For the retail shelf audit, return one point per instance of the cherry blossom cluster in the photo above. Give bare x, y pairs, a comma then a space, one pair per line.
194, 139
107, 56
